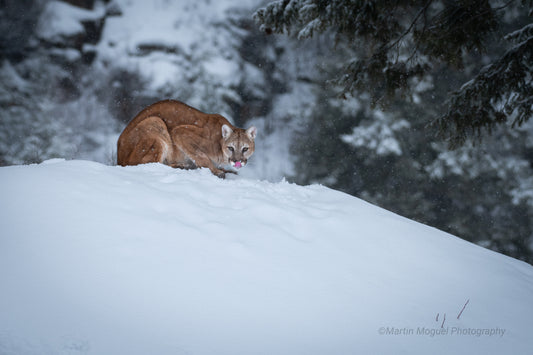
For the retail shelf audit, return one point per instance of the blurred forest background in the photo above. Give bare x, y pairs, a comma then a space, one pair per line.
329, 107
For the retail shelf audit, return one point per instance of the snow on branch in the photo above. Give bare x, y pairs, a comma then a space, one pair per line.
520, 35
501, 92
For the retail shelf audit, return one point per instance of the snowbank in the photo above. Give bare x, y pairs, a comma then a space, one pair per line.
97, 259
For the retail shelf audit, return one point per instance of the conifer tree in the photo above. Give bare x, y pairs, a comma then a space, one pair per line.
396, 44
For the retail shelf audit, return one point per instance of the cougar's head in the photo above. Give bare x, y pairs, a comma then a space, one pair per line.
237, 145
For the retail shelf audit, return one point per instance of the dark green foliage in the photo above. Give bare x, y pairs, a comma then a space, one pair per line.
459, 26
500, 92
397, 43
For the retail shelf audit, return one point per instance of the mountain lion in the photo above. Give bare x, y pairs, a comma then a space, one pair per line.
175, 134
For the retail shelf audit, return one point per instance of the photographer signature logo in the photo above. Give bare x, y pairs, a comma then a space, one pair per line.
442, 329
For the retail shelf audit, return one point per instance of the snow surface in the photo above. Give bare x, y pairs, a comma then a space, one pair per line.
99, 259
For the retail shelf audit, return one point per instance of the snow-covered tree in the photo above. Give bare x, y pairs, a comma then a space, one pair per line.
501, 92
396, 44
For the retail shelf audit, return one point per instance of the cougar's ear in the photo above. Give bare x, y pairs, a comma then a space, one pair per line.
251, 132
226, 131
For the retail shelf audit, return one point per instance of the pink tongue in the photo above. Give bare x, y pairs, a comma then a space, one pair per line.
238, 164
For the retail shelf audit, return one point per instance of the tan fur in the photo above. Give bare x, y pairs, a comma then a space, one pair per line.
175, 134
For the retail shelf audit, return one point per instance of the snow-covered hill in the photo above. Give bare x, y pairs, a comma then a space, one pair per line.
99, 259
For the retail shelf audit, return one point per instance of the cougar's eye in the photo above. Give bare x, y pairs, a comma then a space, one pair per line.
231, 149
245, 149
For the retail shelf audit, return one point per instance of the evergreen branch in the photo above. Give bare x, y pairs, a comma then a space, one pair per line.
499, 92
408, 30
